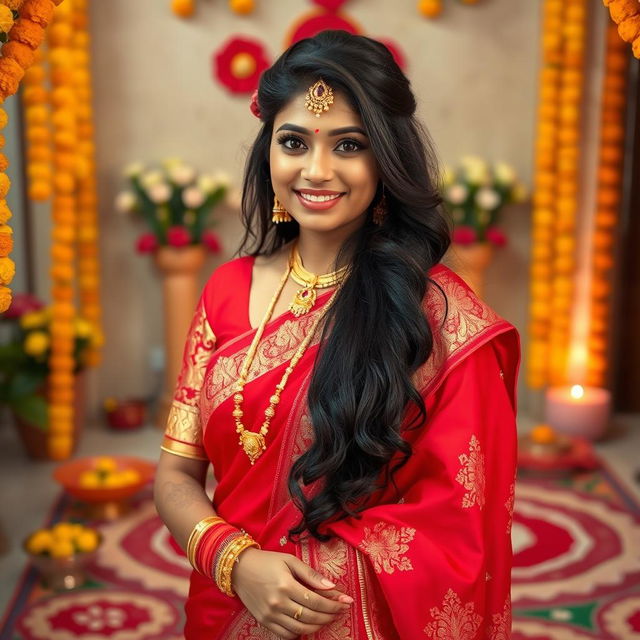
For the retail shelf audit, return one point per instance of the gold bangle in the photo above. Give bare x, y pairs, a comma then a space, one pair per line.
229, 560
197, 533
224, 546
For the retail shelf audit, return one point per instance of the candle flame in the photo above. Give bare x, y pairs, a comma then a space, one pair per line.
577, 391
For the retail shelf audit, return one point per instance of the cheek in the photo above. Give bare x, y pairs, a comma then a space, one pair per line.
282, 167
364, 178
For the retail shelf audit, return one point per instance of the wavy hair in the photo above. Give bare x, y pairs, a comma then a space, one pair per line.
376, 334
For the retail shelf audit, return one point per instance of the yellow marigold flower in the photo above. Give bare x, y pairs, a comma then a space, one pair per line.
39, 541
7, 270
87, 541
61, 548
5, 184
183, 8
6, 19
12, 4
84, 329
90, 480
4, 119
5, 298
105, 464
36, 343
97, 338
33, 320
63, 530
242, 7
5, 212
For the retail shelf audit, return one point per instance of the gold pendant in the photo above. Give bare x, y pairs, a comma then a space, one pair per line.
253, 444
303, 301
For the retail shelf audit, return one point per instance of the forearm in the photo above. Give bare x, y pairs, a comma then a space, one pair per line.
181, 502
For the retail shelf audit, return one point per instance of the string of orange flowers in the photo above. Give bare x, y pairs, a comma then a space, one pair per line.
568, 158
63, 312
17, 55
607, 203
545, 194
87, 212
626, 14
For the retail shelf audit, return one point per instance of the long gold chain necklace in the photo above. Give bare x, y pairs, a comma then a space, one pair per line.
306, 297
253, 442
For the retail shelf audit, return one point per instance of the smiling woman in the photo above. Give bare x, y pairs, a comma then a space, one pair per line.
356, 400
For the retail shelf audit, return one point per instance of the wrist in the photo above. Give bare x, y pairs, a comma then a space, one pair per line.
243, 559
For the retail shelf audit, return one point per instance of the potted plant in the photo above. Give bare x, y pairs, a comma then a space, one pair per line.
475, 194
176, 205
24, 368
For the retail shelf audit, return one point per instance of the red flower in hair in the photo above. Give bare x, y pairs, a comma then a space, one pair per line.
254, 106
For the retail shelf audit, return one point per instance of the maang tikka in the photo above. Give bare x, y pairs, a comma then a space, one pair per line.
319, 97
280, 214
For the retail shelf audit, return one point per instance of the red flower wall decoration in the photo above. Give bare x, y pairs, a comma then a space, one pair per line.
239, 63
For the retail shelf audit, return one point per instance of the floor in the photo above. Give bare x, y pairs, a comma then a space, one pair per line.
27, 489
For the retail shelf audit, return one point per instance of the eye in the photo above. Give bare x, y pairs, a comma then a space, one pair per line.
349, 146
293, 143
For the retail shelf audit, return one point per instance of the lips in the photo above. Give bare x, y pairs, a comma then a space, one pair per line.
318, 199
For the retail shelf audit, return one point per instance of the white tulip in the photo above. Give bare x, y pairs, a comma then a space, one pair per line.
192, 197
504, 173
125, 202
206, 183
182, 174
148, 179
457, 193
487, 198
159, 193
133, 170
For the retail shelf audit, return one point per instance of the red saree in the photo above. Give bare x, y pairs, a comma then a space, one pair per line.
434, 564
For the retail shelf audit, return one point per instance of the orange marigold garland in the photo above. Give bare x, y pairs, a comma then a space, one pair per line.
87, 212
609, 193
545, 194
568, 171
626, 14
63, 253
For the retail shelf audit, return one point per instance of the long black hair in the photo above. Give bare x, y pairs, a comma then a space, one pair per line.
376, 334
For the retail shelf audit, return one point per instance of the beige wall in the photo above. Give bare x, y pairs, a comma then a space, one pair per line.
474, 72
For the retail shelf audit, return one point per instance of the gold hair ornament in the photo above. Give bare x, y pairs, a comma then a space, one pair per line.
319, 97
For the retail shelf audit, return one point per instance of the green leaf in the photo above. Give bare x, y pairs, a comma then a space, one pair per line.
32, 409
25, 384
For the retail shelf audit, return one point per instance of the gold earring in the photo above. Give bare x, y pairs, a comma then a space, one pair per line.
380, 211
280, 214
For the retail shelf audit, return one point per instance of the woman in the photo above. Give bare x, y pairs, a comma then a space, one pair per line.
360, 424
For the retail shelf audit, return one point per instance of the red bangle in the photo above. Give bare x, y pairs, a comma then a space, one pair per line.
208, 545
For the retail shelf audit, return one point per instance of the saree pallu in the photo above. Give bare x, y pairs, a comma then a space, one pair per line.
432, 557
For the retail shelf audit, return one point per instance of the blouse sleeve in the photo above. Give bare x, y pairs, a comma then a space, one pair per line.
183, 433
437, 562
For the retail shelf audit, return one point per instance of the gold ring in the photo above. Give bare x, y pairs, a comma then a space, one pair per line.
298, 613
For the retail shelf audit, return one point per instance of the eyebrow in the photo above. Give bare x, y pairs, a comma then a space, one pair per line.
333, 132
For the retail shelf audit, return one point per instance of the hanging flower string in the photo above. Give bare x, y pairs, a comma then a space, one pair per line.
22, 26
85, 167
626, 14
568, 159
609, 194
63, 254
545, 194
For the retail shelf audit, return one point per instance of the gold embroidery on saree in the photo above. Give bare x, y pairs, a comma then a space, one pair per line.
501, 623
509, 506
332, 557
472, 475
454, 621
197, 351
386, 546
183, 424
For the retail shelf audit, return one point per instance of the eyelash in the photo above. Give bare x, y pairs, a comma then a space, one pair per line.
287, 137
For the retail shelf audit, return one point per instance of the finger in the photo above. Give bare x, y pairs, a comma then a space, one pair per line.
280, 631
338, 594
295, 627
310, 576
317, 602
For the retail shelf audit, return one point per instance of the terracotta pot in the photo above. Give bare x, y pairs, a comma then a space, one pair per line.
470, 262
34, 438
180, 270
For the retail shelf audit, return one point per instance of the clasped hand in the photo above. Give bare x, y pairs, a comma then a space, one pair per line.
281, 592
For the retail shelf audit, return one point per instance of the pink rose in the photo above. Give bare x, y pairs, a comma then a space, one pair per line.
464, 235
22, 303
178, 236
147, 243
496, 236
211, 241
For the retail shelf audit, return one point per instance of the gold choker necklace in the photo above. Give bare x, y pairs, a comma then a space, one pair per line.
305, 298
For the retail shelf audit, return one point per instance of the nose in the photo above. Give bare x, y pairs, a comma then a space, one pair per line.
318, 167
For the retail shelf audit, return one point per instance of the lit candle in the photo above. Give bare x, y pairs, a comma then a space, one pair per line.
578, 411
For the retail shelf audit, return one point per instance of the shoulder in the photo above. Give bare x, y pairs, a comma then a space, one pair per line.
232, 269
461, 324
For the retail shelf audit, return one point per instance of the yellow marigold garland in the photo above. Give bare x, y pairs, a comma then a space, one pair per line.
545, 193
626, 14
609, 194
568, 171
87, 241
63, 247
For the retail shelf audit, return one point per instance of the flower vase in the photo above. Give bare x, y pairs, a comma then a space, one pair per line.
180, 269
34, 438
470, 262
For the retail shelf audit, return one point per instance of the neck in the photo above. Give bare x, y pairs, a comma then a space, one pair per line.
318, 250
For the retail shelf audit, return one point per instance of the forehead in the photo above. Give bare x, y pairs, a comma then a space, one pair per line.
340, 114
